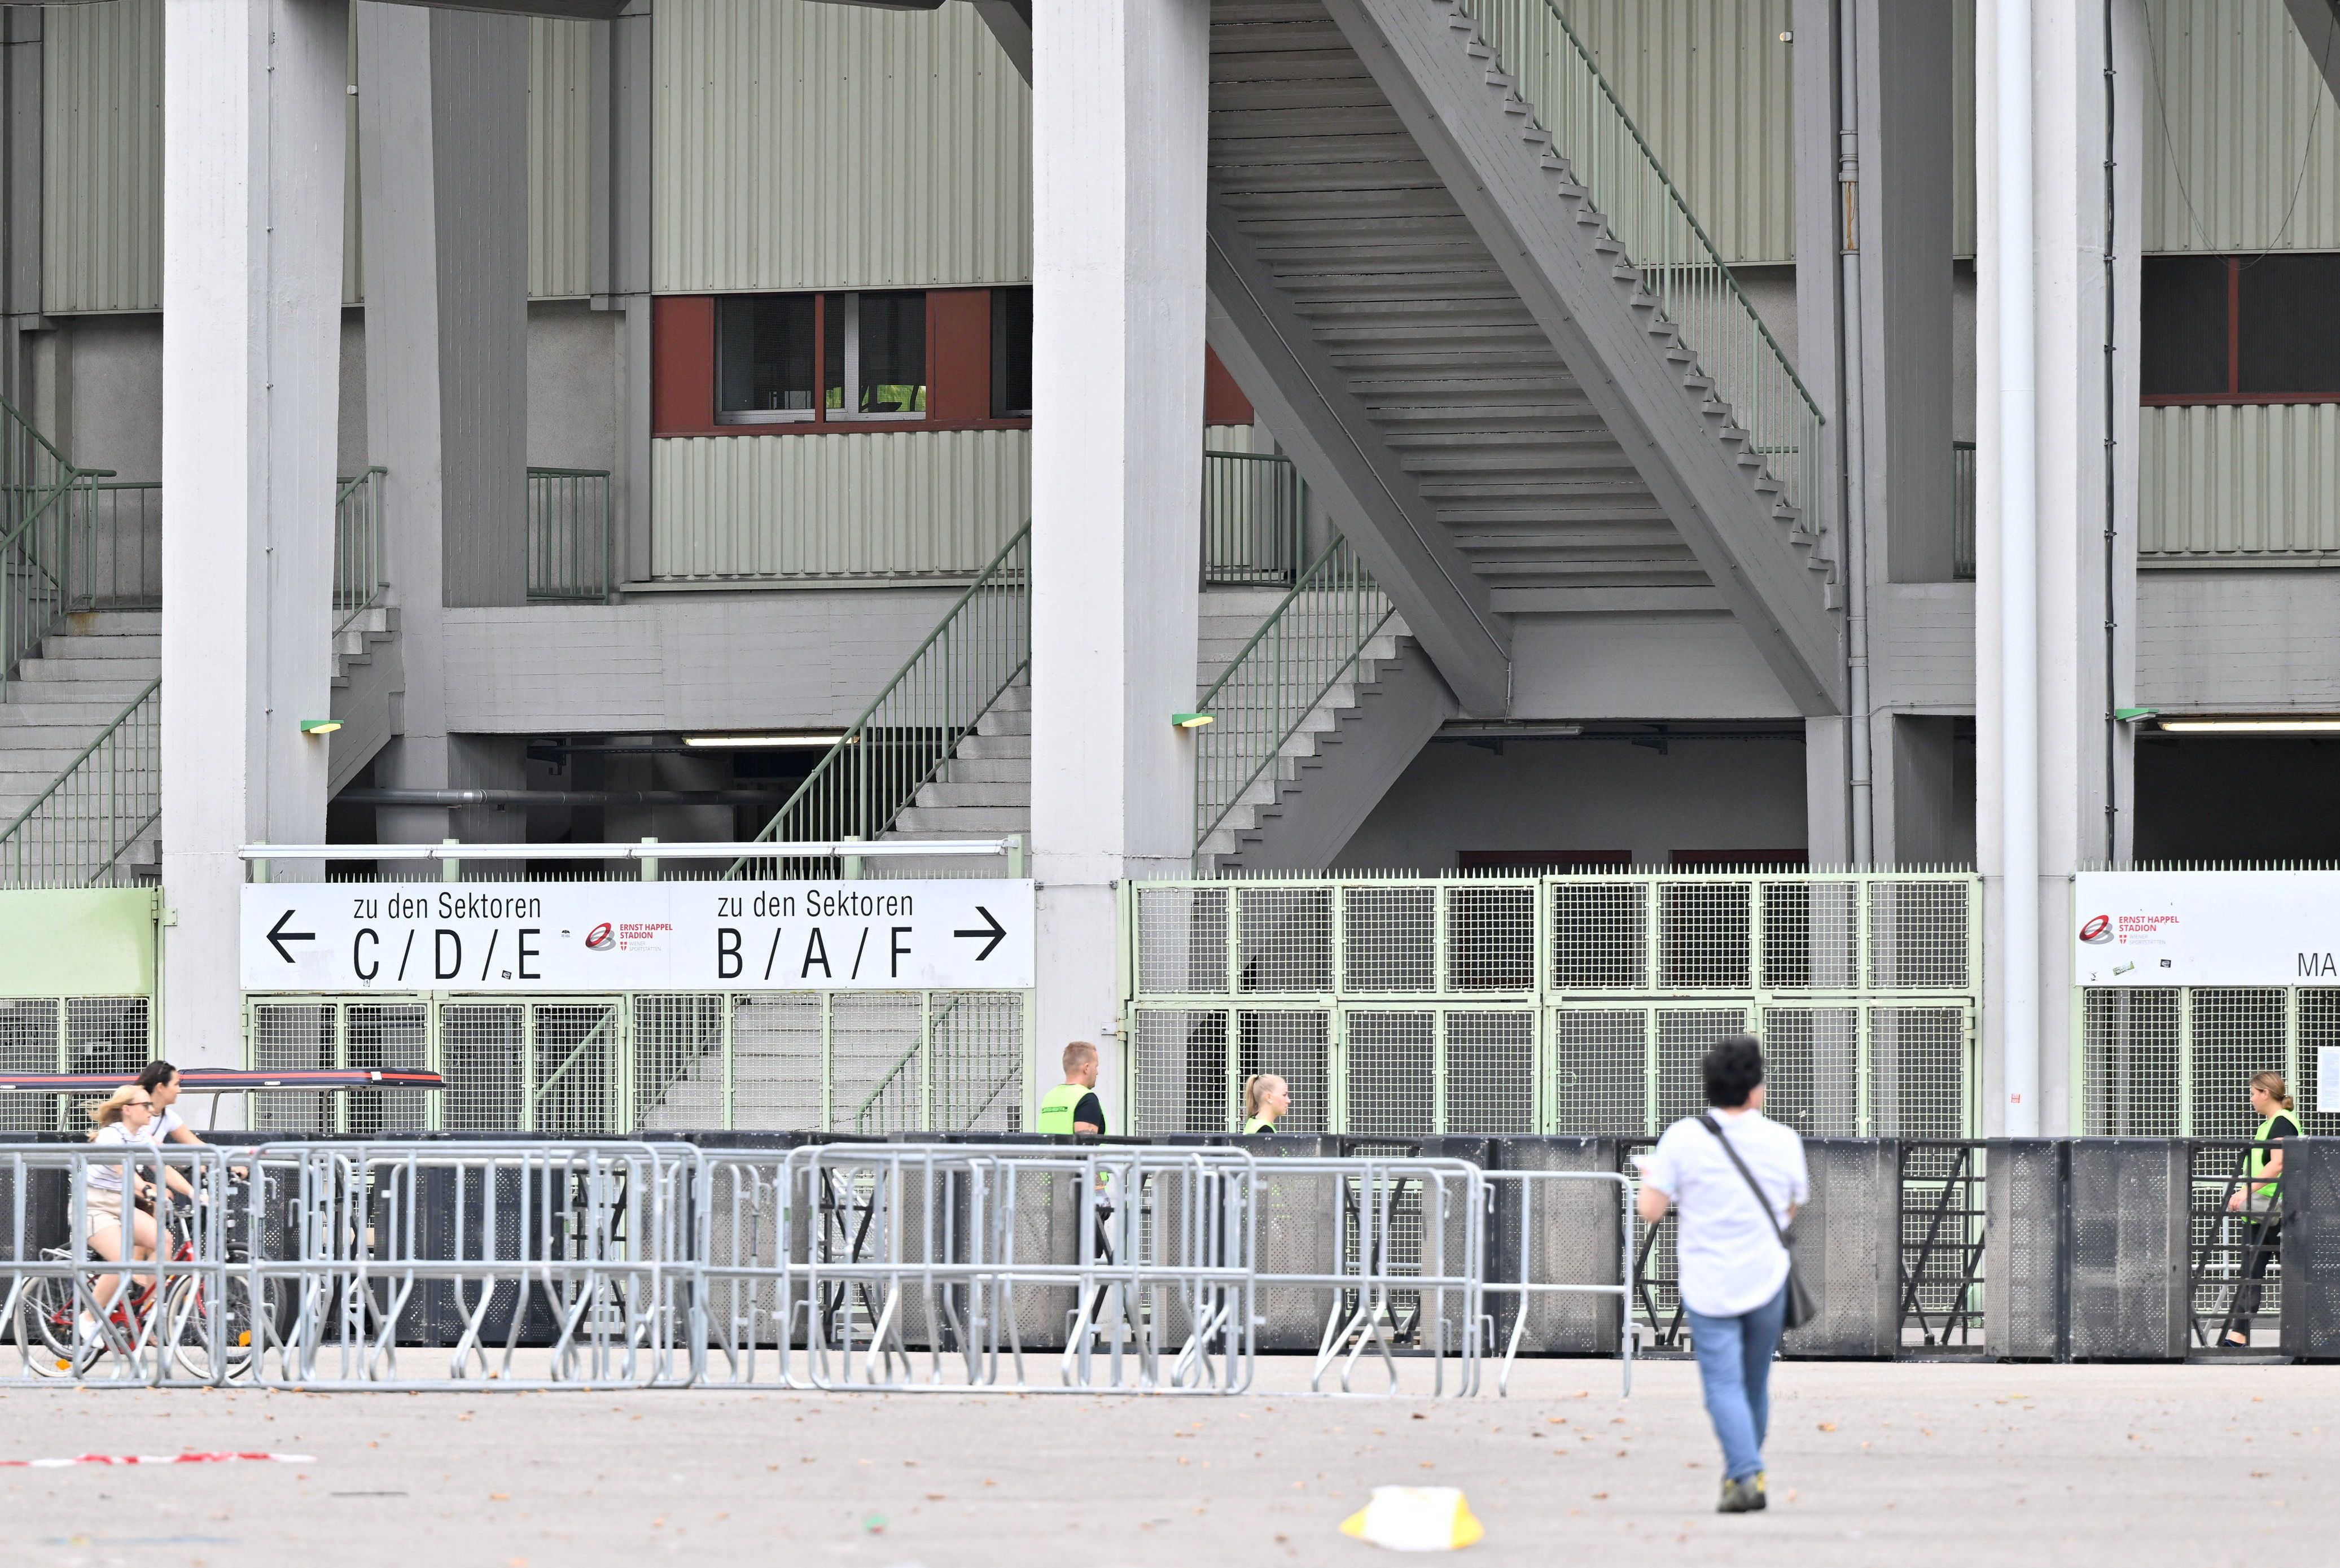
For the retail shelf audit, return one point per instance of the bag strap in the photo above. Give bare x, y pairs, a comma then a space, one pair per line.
1706, 1119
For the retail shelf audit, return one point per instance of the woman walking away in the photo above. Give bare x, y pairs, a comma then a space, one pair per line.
2260, 1197
1267, 1096
1734, 1270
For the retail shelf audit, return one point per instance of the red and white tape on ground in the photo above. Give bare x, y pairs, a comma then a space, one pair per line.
152, 1459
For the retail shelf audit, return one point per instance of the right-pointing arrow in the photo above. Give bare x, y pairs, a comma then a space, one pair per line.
991, 928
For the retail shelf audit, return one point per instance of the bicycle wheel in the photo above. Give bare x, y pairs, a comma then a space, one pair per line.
45, 1328
187, 1323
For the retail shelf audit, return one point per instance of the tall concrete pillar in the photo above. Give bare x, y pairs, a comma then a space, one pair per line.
1872, 140
2056, 590
442, 153
1121, 92
254, 95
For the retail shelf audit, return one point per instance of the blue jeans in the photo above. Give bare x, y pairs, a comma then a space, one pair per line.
1734, 1363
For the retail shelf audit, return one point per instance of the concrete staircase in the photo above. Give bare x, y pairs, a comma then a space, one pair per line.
368, 688
90, 667
1352, 746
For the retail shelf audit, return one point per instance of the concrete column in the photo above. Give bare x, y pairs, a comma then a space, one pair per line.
21, 127
2084, 543
622, 90
442, 150
1121, 93
253, 96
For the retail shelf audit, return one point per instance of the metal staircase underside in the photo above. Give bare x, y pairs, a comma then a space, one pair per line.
1456, 356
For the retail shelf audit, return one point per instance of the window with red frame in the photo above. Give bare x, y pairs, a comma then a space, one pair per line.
2241, 329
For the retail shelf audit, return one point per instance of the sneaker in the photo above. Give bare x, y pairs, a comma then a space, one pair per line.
1738, 1498
1759, 1491
85, 1330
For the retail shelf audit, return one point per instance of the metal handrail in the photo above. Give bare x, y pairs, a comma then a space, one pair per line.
117, 779
359, 581
1554, 74
35, 584
909, 732
569, 535
1311, 641
1254, 504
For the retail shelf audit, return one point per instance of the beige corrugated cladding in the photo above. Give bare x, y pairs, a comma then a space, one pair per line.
831, 146
101, 156
2244, 151
102, 159
884, 504
2230, 480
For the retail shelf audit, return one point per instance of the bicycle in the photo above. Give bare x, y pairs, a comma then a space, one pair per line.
176, 1312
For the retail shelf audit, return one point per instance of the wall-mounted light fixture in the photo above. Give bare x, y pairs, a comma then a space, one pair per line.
1193, 721
2136, 715
320, 726
759, 742
2322, 724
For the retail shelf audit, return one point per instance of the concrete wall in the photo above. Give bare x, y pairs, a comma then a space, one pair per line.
1636, 666
681, 660
574, 392
1586, 795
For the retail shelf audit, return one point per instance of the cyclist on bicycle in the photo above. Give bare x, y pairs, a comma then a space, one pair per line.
161, 1082
125, 1117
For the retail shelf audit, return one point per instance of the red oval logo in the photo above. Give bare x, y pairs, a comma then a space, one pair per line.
2099, 930
600, 938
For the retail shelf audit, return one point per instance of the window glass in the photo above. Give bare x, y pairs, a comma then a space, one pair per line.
1011, 353
763, 358
877, 354
2184, 304
2290, 325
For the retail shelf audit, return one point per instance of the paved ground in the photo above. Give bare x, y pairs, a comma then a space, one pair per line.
1913, 1464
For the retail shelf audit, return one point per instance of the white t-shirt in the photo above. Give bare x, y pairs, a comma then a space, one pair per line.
109, 1176
1731, 1261
166, 1124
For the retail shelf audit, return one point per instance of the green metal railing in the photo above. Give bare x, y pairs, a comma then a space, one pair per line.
358, 578
75, 832
1254, 506
112, 543
570, 538
1962, 511
1313, 641
68, 541
907, 737
1554, 74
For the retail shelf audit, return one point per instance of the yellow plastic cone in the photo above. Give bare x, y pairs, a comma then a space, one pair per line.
1416, 1519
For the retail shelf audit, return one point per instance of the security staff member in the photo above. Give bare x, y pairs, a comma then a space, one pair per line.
2260, 1198
1072, 1106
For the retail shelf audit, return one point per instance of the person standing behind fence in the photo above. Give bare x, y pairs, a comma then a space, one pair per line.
1734, 1271
1073, 1106
2260, 1197
1267, 1096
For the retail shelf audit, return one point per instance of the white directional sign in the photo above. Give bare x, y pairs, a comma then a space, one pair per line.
2205, 927
637, 935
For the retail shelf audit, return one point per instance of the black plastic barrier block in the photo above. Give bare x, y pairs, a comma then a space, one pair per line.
2311, 1248
1847, 1242
1570, 1233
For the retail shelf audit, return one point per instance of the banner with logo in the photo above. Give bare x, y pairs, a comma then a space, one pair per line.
2206, 929
974, 935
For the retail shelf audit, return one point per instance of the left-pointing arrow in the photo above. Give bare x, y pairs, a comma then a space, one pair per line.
278, 936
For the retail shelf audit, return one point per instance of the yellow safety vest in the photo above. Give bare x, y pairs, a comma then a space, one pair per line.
1259, 1125
2259, 1158
1058, 1106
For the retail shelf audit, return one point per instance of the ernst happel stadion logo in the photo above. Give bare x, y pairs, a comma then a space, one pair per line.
600, 938
2098, 929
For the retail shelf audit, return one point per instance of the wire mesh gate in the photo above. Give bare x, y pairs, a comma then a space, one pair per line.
67, 1035
1559, 1004
867, 1062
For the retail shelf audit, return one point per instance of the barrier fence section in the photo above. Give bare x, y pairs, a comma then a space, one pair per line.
854, 1062
68, 1034
507, 1263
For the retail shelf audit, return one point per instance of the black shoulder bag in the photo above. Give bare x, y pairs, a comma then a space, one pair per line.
1802, 1305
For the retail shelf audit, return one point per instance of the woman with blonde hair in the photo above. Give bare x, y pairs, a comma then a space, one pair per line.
126, 1117
2260, 1196
1267, 1096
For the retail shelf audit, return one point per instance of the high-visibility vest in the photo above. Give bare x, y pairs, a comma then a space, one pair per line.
2259, 1158
1058, 1106
1259, 1125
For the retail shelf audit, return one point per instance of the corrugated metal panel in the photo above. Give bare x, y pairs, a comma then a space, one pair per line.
832, 147
1962, 126
560, 158
352, 205
907, 504
2246, 153
1711, 87
2229, 481
102, 157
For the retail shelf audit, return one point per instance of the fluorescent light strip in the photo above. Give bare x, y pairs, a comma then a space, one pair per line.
746, 742
2252, 726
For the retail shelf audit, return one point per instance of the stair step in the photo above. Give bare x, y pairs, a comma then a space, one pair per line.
979, 745
110, 645
966, 821
40, 693
115, 623
966, 770
47, 671
956, 796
